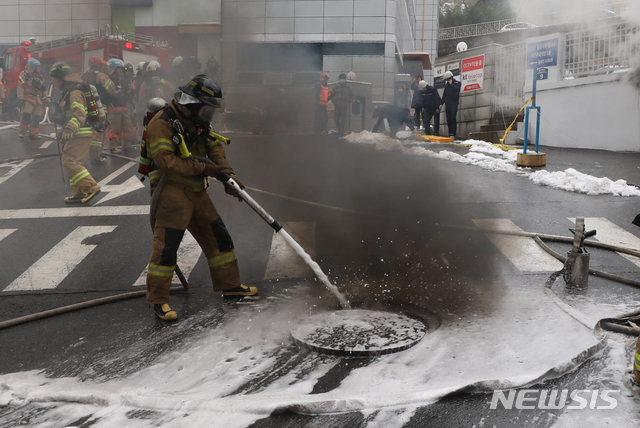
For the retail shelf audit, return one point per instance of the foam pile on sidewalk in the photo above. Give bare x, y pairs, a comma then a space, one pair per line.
492, 158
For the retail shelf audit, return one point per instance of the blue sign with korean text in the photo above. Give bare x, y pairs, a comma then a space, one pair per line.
542, 54
542, 73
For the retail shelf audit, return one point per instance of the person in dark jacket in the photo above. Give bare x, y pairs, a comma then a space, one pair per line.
450, 99
432, 102
416, 101
396, 117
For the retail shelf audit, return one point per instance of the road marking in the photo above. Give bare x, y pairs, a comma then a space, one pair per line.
53, 267
46, 144
33, 213
14, 170
611, 233
523, 252
188, 255
132, 184
6, 232
284, 262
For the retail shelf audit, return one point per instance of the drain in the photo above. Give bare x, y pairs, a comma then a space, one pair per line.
358, 332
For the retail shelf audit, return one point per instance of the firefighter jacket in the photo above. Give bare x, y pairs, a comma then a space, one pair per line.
31, 87
156, 87
106, 88
74, 105
166, 156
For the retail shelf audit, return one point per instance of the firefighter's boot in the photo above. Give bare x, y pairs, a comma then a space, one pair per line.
34, 133
241, 291
23, 131
164, 312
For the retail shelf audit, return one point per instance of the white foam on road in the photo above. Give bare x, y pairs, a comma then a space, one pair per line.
492, 158
523, 339
52, 268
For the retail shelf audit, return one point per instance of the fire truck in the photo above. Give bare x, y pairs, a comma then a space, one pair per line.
130, 47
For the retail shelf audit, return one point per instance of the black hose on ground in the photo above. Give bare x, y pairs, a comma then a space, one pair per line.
75, 307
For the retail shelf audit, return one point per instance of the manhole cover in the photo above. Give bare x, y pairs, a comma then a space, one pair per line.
358, 332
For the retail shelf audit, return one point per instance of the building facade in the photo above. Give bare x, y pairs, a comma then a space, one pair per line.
290, 42
48, 20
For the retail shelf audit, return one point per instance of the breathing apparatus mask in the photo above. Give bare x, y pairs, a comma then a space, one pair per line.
201, 113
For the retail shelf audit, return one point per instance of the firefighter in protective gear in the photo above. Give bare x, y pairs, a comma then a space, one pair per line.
107, 91
76, 134
121, 127
31, 91
183, 203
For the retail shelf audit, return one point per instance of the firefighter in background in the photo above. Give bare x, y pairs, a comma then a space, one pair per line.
107, 90
76, 133
131, 100
321, 102
213, 68
1, 95
182, 201
155, 85
31, 91
120, 127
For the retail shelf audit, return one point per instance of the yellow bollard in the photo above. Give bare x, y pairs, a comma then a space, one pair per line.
636, 364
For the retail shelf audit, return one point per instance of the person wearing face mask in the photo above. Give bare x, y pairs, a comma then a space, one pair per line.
183, 153
341, 96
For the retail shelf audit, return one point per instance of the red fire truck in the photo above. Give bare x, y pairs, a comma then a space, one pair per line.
131, 48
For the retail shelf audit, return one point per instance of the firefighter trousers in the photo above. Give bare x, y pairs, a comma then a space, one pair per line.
31, 116
179, 209
74, 155
97, 139
121, 128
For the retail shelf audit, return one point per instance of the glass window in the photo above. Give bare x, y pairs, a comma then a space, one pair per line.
8, 61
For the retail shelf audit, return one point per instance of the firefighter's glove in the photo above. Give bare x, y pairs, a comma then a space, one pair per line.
212, 170
230, 190
66, 134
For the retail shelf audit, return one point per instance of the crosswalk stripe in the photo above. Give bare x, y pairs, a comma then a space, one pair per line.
46, 144
14, 170
610, 233
284, 262
188, 255
31, 213
53, 267
523, 252
6, 232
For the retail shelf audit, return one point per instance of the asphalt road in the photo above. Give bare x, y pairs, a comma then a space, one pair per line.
378, 218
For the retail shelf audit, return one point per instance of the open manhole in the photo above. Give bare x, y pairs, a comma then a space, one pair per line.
358, 332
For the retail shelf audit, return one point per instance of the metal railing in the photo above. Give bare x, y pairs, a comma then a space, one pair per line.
567, 17
473, 29
601, 50
141, 39
509, 78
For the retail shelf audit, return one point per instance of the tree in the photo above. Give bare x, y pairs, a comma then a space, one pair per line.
455, 13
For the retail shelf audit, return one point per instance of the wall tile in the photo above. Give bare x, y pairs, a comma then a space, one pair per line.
10, 29
338, 37
369, 37
338, 8
338, 64
33, 13
311, 37
309, 25
9, 13
251, 10
368, 25
279, 25
368, 63
369, 8
83, 26
84, 11
338, 25
278, 37
310, 8
58, 28
57, 12
281, 9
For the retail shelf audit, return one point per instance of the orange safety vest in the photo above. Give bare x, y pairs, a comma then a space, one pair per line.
324, 95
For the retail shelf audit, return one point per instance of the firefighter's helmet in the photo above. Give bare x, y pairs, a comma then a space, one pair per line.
60, 70
201, 89
115, 63
32, 64
141, 66
95, 60
448, 75
128, 67
153, 66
